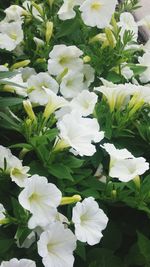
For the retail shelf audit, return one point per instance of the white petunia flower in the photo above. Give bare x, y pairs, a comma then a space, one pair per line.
14, 168
20, 88
2, 211
66, 11
146, 47
14, 13
97, 12
18, 263
14, 31
127, 23
37, 85
88, 73
72, 84
79, 133
62, 57
41, 199
126, 72
84, 102
3, 68
89, 221
6, 42
145, 61
56, 246
127, 169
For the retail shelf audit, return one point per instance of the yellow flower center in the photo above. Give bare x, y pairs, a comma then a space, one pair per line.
96, 6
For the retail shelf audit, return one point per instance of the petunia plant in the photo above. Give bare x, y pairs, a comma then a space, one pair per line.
75, 134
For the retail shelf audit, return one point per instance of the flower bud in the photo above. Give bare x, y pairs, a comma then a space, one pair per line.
86, 59
49, 31
70, 200
28, 108
20, 64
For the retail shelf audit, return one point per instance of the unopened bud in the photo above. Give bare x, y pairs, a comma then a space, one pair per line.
28, 108
86, 59
20, 64
70, 200
49, 31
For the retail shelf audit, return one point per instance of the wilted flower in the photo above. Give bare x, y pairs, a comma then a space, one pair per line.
56, 246
89, 221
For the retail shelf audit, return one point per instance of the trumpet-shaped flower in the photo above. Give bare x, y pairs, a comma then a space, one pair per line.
72, 84
56, 246
18, 85
14, 168
79, 133
18, 263
37, 85
14, 13
66, 11
84, 102
97, 12
41, 199
127, 169
62, 57
89, 221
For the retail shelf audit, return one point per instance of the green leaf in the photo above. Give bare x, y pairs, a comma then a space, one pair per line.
20, 214
137, 69
22, 233
73, 162
7, 74
5, 245
22, 145
10, 101
60, 171
67, 27
144, 246
80, 250
104, 258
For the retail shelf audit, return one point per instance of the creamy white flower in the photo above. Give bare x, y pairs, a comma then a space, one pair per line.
127, 169
6, 42
78, 133
13, 13
39, 42
3, 68
26, 73
126, 72
145, 22
97, 12
66, 11
36, 87
14, 168
41, 199
2, 211
72, 83
18, 263
127, 23
84, 102
117, 95
13, 30
89, 221
145, 61
62, 57
56, 246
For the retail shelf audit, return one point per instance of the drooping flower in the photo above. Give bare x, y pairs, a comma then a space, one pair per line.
97, 12
84, 102
41, 199
18, 263
14, 167
62, 57
37, 85
56, 246
79, 133
89, 221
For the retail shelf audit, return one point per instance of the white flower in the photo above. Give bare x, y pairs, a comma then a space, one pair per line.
14, 31
13, 13
6, 42
145, 61
127, 169
3, 68
145, 22
20, 88
27, 5
62, 57
26, 73
84, 102
2, 211
56, 246
146, 47
18, 263
78, 133
127, 23
66, 11
54, 102
89, 221
72, 84
126, 72
117, 95
36, 87
97, 12
41, 199
14, 168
